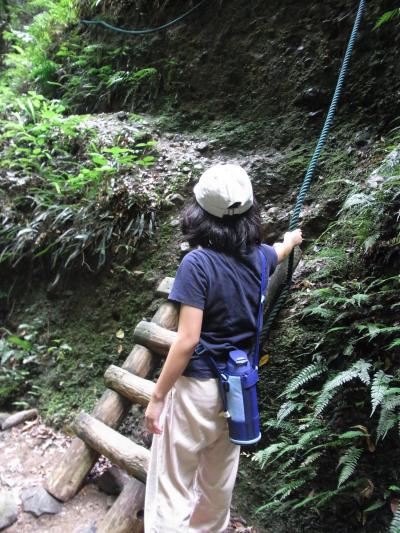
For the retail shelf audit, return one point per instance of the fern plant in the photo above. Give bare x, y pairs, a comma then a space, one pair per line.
348, 463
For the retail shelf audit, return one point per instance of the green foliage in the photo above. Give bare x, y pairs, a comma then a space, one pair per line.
395, 525
72, 210
388, 15
341, 409
348, 462
22, 355
91, 79
307, 374
28, 56
358, 370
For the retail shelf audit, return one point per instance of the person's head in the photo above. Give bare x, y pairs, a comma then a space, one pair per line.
223, 215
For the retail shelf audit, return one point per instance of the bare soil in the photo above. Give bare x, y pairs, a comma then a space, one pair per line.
27, 455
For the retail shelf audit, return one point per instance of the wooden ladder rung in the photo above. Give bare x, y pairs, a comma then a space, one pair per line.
154, 337
121, 451
165, 287
134, 388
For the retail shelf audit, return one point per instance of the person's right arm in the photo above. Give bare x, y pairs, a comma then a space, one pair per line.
290, 240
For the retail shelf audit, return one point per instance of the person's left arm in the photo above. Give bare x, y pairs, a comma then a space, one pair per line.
188, 336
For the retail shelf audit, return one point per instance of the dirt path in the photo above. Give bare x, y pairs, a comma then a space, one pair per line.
27, 455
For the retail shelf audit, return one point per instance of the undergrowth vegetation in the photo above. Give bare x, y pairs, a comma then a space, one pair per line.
75, 199
66, 194
341, 411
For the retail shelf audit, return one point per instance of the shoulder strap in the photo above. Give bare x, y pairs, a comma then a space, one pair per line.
259, 323
263, 287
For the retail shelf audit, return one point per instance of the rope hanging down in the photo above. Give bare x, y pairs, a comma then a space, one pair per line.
145, 31
310, 171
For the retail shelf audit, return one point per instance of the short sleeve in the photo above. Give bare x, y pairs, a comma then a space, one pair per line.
272, 257
190, 285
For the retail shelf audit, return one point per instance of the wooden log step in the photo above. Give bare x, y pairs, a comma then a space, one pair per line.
165, 287
126, 513
136, 389
154, 337
121, 451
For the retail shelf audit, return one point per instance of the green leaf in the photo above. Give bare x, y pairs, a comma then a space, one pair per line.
349, 463
17, 341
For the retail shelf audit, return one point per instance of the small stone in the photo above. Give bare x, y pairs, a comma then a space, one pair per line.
177, 199
8, 509
175, 222
272, 211
314, 114
90, 528
202, 147
138, 273
112, 481
38, 501
375, 180
360, 139
185, 170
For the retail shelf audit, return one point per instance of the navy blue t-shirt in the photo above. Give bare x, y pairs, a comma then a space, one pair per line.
227, 288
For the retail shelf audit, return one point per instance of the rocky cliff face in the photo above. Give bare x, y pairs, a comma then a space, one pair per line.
273, 65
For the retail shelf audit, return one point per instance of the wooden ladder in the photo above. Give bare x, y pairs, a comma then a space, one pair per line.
96, 433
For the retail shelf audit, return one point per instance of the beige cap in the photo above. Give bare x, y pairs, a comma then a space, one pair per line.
224, 190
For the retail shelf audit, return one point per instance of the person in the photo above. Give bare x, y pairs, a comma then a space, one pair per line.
193, 464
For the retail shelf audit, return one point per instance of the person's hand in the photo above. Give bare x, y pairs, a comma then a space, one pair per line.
152, 415
293, 237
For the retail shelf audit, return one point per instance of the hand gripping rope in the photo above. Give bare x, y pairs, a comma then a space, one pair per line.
310, 172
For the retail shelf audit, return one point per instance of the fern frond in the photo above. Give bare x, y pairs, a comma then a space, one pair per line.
379, 386
309, 460
349, 463
382, 20
319, 497
288, 427
305, 375
310, 436
267, 506
319, 311
395, 524
392, 403
387, 421
323, 400
287, 489
263, 456
357, 201
357, 300
394, 343
285, 410
358, 370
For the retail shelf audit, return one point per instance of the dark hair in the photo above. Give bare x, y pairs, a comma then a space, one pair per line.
231, 233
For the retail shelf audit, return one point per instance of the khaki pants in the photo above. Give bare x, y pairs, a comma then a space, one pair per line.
193, 464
